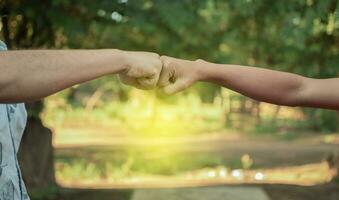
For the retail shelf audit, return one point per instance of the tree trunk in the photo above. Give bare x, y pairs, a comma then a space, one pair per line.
333, 163
36, 150
5, 24
257, 113
36, 155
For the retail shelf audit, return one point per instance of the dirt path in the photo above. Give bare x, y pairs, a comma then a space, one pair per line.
266, 152
328, 191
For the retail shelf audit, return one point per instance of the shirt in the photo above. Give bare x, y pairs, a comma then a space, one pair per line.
13, 119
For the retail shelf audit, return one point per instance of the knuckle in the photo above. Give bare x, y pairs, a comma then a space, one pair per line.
163, 82
167, 63
148, 82
158, 64
155, 55
154, 71
164, 67
164, 59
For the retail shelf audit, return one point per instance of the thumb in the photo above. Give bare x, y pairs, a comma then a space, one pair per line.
178, 86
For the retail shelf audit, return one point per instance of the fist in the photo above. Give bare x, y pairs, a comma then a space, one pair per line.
142, 69
177, 74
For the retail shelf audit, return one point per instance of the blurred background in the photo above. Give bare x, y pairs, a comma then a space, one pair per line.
101, 139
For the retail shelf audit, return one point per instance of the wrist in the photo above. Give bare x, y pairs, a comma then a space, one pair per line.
204, 70
120, 58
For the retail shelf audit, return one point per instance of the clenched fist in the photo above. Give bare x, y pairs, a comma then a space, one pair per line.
178, 74
142, 69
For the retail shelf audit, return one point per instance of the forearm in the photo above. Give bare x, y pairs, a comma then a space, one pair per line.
320, 93
261, 84
33, 74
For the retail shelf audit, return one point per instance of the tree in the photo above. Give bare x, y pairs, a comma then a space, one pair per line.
301, 36
41, 24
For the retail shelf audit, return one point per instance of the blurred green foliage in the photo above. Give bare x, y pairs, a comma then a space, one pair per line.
299, 36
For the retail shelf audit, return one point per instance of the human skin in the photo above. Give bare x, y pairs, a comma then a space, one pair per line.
28, 75
265, 85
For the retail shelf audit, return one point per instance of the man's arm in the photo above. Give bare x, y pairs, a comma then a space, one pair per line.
261, 84
33, 74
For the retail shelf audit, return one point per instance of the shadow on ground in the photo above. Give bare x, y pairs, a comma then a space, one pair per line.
329, 191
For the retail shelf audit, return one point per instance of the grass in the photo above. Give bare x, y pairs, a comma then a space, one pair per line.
146, 118
47, 193
113, 164
93, 167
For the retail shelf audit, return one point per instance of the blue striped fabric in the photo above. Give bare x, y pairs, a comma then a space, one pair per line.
12, 123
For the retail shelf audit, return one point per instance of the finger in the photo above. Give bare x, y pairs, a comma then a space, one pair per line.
140, 87
148, 83
151, 80
164, 58
128, 80
131, 81
166, 73
176, 87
